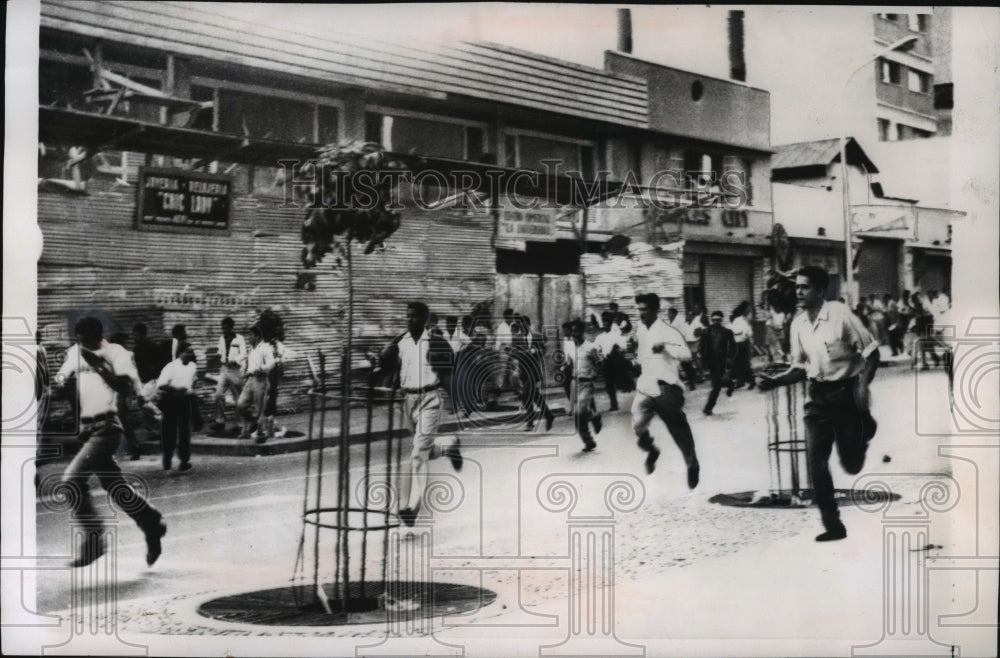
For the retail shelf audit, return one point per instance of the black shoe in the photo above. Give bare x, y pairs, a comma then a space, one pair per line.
833, 535
530, 427
613, 407
598, 425
135, 456
454, 454
260, 438
729, 391
185, 466
153, 536
694, 470
407, 516
92, 548
589, 445
654, 454
548, 421
167, 465
707, 411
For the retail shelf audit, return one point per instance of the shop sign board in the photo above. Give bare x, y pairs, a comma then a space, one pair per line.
180, 200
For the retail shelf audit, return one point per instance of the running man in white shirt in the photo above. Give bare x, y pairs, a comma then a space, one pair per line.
660, 351
584, 356
419, 356
104, 371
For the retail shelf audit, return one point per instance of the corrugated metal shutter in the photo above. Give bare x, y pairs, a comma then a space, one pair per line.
95, 262
936, 274
728, 281
878, 268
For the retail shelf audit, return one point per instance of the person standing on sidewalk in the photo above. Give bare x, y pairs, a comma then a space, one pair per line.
260, 362
176, 392
233, 353
103, 371
659, 352
420, 356
718, 351
743, 334
830, 347
281, 354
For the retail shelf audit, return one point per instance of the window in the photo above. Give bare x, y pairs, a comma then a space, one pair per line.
528, 150
917, 22
891, 72
883, 130
699, 168
424, 135
918, 82
889, 17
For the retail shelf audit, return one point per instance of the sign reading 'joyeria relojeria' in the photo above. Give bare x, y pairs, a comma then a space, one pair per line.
173, 199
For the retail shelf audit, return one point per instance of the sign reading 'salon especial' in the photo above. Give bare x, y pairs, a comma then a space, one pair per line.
533, 225
179, 200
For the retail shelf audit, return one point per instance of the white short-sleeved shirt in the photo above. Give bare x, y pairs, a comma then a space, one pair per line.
178, 375
607, 340
414, 365
834, 347
237, 352
662, 366
584, 358
260, 359
741, 329
96, 397
504, 335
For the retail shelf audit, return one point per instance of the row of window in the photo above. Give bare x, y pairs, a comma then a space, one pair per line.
915, 22
916, 81
254, 112
890, 132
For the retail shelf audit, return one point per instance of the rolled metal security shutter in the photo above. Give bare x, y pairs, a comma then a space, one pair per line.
728, 281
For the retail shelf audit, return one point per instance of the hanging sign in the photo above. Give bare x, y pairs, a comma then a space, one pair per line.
179, 200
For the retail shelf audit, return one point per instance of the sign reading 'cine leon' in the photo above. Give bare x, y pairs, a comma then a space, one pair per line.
178, 200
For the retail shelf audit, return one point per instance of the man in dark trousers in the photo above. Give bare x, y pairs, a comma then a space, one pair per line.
660, 349
176, 392
528, 350
718, 350
833, 350
103, 371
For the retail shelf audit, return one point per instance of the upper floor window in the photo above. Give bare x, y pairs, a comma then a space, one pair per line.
890, 17
917, 22
406, 132
918, 82
891, 72
883, 130
527, 151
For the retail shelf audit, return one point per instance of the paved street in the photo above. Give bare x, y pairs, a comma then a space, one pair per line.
234, 525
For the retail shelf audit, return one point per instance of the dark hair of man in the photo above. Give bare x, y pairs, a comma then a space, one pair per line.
422, 311
650, 299
817, 276
717, 314
227, 322
178, 331
577, 324
140, 328
740, 309
607, 316
89, 327
508, 313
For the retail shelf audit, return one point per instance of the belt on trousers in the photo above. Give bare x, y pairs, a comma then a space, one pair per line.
425, 389
258, 374
834, 383
585, 379
90, 420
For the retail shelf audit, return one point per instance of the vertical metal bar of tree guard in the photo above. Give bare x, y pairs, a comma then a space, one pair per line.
367, 475
319, 467
793, 440
300, 554
344, 479
772, 434
388, 481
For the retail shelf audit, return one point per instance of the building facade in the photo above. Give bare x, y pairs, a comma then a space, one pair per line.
199, 111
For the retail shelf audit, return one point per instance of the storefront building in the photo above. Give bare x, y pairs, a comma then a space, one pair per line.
153, 104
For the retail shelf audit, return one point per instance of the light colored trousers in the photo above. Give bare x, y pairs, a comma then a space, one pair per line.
422, 412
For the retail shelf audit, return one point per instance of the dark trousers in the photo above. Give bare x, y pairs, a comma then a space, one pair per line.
612, 391
531, 397
742, 370
176, 432
129, 444
833, 417
96, 457
669, 406
719, 380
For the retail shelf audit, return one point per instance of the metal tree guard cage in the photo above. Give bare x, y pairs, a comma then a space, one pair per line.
788, 463
356, 514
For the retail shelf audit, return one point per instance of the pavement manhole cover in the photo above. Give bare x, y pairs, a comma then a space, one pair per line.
797, 500
368, 603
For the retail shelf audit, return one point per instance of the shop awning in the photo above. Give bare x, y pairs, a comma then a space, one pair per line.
98, 132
